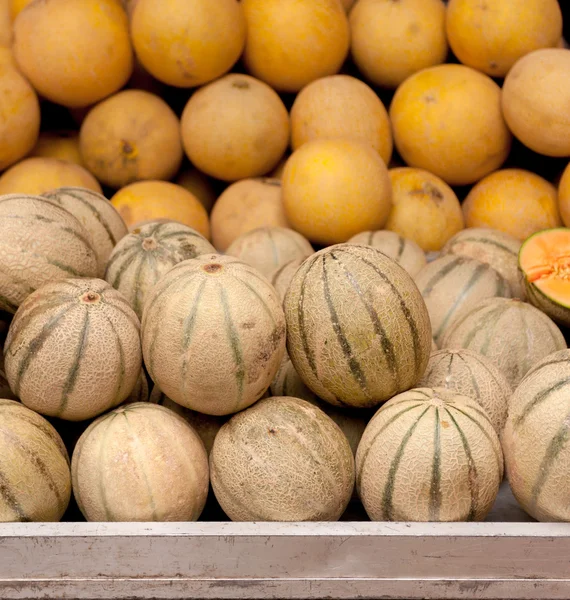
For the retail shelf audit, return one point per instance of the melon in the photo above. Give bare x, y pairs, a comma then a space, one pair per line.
496, 248
470, 374
269, 248
104, 224
73, 350
213, 333
143, 256
246, 205
429, 455
5, 391
58, 248
140, 392
282, 276
514, 335
358, 330
288, 383
206, 426
140, 462
544, 261
535, 439
35, 483
62, 144
282, 459
199, 185
451, 284
404, 251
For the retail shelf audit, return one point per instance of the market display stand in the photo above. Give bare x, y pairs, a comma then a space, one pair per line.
509, 556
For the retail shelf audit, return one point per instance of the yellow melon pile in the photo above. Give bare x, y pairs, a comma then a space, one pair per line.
281, 259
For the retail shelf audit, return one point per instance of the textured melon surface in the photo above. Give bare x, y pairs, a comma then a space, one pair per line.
470, 374
536, 439
269, 248
496, 248
140, 392
142, 257
429, 455
73, 350
281, 278
404, 251
282, 459
140, 462
103, 222
451, 284
40, 242
35, 482
213, 323
358, 330
514, 335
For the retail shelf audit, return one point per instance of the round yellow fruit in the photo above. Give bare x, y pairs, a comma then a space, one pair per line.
235, 127
151, 200
424, 208
74, 53
334, 189
492, 36
341, 106
515, 201
564, 196
61, 144
37, 175
199, 184
5, 24
392, 40
535, 100
186, 43
293, 42
448, 120
131, 136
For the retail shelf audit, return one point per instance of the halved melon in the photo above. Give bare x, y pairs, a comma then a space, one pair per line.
544, 259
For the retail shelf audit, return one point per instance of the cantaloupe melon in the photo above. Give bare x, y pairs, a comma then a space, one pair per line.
140, 392
514, 335
141, 258
452, 284
429, 455
341, 106
358, 330
473, 375
281, 279
535, 439
73, 350
424, 208
213, 334
246, 205
206, 426
62, 144
545, 267
282, 459
404, 251
104, 224
269, 248
186, 43
35, 483
235, 127
448, 120
39, 242
140, 462
83, 59
132, 136
496, 248
5, 391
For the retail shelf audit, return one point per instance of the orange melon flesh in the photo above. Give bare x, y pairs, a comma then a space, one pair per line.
545, 260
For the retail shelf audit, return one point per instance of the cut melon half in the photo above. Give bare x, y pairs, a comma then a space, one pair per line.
544, 259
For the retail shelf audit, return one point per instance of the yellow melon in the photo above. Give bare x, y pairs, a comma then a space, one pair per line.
334, 189
235, 127
535, 99
514, 201
131, 136
491, 37
5, 24
150, 200
198, 184
448, 120
293, 42
340, 106
424, 208
186, 43
392, 40
83, 59
62, 144
564, 196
